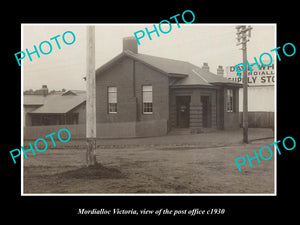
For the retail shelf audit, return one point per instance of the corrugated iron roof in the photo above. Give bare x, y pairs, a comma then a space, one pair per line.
33, 99
169, 66
187, 73
198, 76
61, 103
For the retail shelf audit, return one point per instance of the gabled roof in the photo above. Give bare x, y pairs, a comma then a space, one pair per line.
73, 92
187, 73
170, 67
61, 103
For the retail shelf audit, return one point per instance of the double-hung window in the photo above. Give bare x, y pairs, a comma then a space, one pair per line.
112, 95
147, 99
230, 101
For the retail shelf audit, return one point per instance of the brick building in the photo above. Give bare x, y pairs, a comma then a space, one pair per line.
139, 95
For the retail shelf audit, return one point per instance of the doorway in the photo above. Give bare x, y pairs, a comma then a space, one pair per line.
183, 111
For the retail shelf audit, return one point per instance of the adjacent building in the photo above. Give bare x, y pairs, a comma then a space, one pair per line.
42, 108
261, 94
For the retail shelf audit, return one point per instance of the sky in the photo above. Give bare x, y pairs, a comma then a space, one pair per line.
195, 43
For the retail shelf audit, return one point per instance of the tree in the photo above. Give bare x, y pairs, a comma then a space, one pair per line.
28, 92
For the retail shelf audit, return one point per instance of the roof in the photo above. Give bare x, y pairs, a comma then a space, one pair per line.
61, 103
33, 99
169, 66
199, 76
74, 92
187, 73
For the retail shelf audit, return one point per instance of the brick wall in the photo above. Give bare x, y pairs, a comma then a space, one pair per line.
129, 77
121, 76
160, 91
195, 110
195, 106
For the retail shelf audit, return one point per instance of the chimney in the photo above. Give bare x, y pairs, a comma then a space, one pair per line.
220, 71
130, 43
205, 67
44, 90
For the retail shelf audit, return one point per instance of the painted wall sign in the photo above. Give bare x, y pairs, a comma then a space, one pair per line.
263, 76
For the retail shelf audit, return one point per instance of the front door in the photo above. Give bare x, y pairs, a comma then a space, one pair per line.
183, 111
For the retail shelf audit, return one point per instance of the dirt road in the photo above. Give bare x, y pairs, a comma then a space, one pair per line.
150, 169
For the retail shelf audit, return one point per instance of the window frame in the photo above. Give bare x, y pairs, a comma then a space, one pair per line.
143, 102
109, 104
230, 100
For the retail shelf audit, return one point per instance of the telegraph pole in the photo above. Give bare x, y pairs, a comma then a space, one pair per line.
90, 98
242, 33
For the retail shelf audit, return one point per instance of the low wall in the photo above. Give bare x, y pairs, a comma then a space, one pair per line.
34, 132
151, 128
104, 130
116, 130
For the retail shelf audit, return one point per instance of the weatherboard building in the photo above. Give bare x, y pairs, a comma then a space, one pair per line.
261, 94
140, 95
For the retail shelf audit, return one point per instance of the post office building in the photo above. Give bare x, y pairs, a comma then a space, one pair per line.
139, 95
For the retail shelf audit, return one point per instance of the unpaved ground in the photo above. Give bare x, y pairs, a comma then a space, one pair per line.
155, 168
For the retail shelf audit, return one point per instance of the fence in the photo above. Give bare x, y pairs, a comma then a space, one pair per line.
259, 119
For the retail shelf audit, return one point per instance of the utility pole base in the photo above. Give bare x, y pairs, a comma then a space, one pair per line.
245, 135
90, 152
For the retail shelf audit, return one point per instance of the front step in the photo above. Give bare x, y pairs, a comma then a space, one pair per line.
186, 131
180, 131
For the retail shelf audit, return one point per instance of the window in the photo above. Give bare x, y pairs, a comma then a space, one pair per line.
230, 103
112, 99
147, 99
